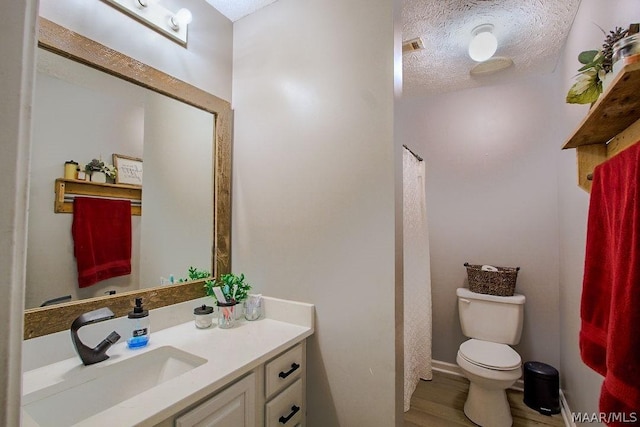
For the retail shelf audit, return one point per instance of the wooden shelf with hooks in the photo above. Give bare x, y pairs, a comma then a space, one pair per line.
612, 124
66, 189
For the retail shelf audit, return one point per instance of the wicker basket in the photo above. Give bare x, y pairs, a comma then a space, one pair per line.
500, 283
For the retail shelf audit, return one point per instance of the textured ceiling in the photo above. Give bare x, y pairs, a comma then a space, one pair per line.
529, 32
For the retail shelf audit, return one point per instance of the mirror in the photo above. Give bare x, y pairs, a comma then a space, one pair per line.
141, 116
81, 113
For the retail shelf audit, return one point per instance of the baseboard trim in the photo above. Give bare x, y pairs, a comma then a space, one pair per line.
446, 367
453, 369
566, 412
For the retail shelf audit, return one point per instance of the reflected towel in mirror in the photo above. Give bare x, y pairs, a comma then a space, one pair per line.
101, 232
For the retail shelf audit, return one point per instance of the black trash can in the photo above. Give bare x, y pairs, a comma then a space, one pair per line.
541, 388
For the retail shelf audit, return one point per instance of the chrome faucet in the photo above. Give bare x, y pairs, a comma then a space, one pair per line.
90, 355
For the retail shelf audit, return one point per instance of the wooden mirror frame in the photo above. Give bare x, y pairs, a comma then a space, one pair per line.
66, 43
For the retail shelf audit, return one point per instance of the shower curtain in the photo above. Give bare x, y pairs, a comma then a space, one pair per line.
417, 277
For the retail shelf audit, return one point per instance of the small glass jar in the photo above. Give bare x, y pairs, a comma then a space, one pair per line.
626, 51
253, 307
203, 316
226, 314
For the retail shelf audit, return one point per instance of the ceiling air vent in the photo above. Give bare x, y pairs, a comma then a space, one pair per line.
412, 45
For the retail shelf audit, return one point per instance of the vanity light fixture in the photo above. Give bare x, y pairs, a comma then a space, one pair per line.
157, 17
483, 44
181, 18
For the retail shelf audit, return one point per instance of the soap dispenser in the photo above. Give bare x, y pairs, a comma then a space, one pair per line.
139, 324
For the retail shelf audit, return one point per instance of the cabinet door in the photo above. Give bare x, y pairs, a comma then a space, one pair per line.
233, 407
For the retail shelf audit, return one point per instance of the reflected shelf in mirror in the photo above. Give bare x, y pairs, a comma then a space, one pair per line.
66, 190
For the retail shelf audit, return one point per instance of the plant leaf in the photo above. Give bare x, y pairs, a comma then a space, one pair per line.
587, 56
596, 65
587, 96
583, 83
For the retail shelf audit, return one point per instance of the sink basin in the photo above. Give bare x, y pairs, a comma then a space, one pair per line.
90, 390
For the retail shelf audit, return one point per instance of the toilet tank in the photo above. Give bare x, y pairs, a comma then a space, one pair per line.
491, 318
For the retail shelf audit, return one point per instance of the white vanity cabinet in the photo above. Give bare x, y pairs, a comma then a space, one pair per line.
271, 395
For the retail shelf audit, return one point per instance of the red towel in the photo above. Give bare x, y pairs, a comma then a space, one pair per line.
610, 310
101, 232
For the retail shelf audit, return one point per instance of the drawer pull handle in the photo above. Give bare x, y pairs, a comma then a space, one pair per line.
294, 410
284, 375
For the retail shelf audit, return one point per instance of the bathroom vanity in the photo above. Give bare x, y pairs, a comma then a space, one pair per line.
271, 395
253, 374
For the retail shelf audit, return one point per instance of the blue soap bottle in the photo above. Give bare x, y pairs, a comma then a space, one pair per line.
139, 323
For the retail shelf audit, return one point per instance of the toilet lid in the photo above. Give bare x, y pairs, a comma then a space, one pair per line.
490, 355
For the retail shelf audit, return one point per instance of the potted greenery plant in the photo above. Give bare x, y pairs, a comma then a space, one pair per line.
100, 171
234, 288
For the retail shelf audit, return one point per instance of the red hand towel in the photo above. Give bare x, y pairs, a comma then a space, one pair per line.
610, 307
101, 232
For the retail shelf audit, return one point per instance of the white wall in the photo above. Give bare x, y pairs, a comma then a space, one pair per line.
313, 190
581, 384
17, 45
205, 63
491, 158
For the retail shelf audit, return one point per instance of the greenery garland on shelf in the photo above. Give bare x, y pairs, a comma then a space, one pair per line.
595, 65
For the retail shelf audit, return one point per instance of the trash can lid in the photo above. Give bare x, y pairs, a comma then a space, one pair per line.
541, 369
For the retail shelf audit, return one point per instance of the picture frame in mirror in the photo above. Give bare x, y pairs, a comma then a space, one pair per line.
129, 169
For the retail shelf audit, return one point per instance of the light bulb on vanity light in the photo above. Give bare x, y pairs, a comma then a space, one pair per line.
483, 44
181, 18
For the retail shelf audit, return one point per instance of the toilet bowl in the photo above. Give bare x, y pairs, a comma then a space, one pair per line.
489, 363
491, 368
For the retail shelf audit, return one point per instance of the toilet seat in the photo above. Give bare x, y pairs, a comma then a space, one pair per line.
490, 355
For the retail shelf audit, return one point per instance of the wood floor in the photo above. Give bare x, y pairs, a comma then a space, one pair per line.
440, 403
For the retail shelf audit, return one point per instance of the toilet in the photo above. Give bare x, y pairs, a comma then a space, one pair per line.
493, 324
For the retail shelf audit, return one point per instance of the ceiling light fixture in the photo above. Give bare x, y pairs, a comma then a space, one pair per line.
157, 17
491, 66
483, 44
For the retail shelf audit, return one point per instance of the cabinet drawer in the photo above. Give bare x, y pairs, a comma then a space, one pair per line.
286, 409
283, 370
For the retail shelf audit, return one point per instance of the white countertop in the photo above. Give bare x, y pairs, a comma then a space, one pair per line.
230, 353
